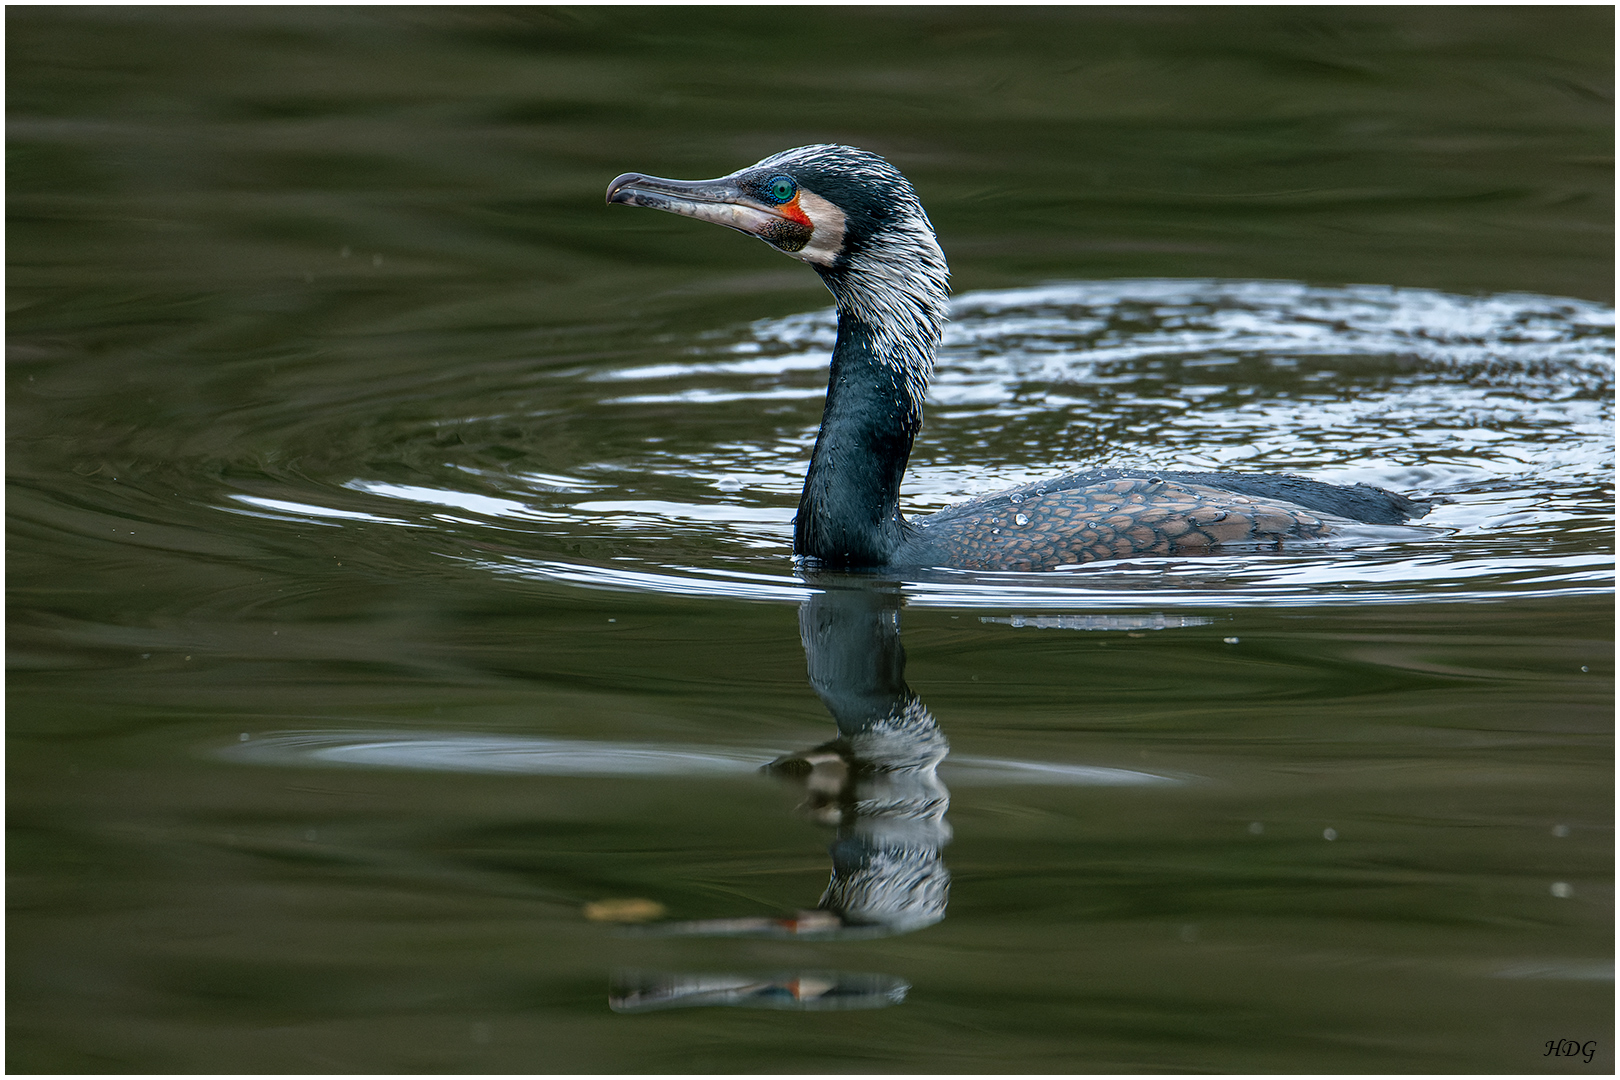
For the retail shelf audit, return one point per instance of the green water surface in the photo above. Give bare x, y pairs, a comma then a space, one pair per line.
265, 254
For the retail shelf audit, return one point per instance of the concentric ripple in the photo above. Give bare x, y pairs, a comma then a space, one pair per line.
1500, 404
535, 756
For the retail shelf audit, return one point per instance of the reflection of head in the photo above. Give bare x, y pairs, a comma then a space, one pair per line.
906, 738
887, 869
900, 887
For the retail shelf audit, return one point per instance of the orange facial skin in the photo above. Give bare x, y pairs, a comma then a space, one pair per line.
791, 211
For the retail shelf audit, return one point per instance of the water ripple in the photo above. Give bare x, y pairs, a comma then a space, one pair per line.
537, 756
1503, 404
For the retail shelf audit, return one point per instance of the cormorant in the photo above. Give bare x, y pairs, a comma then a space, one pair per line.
855, 219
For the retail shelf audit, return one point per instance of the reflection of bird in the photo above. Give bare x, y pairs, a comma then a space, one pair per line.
876, 782
853, 217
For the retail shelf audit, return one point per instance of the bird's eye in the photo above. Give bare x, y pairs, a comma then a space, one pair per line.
781, 189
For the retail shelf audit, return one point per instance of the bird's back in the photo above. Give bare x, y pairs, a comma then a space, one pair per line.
1119, 513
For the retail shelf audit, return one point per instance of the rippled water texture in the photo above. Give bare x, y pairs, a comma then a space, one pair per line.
1500, 404
408, 670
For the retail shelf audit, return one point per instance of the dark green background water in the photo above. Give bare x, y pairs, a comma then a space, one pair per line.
350, 271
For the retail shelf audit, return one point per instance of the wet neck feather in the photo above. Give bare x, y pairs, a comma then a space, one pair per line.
849, 513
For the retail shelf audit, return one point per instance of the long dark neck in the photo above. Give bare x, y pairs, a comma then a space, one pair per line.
849, 513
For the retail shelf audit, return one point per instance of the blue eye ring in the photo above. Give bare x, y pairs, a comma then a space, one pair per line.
781, 188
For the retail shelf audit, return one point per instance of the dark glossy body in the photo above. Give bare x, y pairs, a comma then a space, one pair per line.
849, 515
1118, 513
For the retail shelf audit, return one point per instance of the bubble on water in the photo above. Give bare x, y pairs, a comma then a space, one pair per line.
1330, 834
1560, 831
1021, 519
1256, 828
1231, 640
1563, 890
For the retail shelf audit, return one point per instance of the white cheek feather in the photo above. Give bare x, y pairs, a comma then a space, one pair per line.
828, 222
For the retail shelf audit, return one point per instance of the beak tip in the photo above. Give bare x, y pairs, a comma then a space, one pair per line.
615, 190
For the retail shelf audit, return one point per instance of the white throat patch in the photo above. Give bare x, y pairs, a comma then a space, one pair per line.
827, 239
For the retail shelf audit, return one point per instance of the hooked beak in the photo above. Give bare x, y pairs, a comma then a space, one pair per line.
721, 201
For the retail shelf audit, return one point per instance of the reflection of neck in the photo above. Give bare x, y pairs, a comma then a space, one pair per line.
849, 513
858, 669
852, 649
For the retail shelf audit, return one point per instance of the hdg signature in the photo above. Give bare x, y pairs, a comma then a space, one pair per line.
1570, 1048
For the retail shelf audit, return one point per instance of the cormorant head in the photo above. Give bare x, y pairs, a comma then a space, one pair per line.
845, 211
